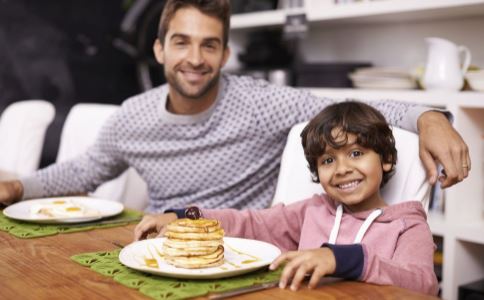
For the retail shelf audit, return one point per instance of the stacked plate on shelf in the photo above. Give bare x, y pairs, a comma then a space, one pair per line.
383, 78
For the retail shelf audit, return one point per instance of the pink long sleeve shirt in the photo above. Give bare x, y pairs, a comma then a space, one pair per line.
397, 249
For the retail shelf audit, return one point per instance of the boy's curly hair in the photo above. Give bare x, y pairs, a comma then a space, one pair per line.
368, 124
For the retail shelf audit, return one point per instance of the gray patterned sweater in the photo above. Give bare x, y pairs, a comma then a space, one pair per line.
226, 156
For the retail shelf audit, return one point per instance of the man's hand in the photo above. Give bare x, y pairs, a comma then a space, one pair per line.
440, 142
152, 224
319, 262
10, 192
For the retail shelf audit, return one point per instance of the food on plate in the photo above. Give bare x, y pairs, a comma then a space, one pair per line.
194, 244
61, 208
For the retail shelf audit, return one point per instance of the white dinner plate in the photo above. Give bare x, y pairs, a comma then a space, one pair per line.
105, 208
240, 255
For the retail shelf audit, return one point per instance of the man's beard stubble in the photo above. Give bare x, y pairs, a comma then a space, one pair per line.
174, 82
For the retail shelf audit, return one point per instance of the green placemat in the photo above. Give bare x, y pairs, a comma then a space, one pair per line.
158, 287
27, 230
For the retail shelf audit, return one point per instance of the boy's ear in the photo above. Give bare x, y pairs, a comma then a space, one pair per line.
387, 167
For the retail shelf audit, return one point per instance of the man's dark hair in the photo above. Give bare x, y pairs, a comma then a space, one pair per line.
219, 9
370, 127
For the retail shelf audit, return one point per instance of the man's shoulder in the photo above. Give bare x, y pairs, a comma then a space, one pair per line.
150, 96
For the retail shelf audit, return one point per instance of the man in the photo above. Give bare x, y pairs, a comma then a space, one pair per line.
211, 139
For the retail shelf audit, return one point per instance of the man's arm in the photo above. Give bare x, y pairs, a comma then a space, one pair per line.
101, 162
439, 141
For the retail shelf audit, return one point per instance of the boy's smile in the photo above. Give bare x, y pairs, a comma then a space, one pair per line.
352, 174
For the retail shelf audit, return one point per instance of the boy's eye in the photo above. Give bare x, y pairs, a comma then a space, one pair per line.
356, 153
327, 161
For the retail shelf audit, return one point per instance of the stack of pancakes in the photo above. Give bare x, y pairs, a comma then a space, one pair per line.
194, 244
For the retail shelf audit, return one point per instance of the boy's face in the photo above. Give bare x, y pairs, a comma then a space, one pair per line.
192, 53
352, 174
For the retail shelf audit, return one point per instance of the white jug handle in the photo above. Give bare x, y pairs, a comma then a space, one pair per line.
467, 58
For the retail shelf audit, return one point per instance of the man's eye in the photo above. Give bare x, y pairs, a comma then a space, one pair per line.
210, 46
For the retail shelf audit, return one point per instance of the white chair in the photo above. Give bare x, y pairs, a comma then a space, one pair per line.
22, 131
408, 183
79, 132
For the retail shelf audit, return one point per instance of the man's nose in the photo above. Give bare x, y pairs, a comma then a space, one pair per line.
195, 56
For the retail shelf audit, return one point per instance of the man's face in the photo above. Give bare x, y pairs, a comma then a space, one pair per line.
193, 53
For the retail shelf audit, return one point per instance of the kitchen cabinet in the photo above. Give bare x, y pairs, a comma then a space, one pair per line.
391, 33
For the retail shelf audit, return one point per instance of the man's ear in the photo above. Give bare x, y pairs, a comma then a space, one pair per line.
226, 56
158, 51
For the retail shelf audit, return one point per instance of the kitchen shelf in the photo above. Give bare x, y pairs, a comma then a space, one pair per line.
473, 232
389, 11
258, 19
397, 11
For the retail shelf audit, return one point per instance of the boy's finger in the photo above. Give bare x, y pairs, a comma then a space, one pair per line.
316, 277
301, 272
278, 261
286, 275
142, 230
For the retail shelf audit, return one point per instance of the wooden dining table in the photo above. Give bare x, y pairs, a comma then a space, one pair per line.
41, 268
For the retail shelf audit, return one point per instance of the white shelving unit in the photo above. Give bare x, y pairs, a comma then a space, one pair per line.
462, 224
366, 12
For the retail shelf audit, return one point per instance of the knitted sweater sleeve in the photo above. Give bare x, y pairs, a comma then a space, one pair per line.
82, 174
279, 108
411, 266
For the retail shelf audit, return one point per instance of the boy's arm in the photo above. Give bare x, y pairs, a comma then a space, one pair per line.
410, 267
279, 225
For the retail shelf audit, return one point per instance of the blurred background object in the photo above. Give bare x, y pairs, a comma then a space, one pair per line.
383, 78
446, 65
475, 79
246, 6
62, 50
23, 125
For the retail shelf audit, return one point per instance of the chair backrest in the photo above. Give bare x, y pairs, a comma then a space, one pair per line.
80, 130
22, 131
408, 183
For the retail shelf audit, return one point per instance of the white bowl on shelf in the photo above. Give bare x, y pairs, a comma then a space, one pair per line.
476, 80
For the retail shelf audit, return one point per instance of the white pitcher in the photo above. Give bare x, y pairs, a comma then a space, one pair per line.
444, 70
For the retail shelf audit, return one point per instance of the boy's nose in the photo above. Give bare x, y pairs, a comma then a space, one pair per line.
343, 167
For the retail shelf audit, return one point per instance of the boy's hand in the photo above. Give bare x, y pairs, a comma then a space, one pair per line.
319, 262
152, 223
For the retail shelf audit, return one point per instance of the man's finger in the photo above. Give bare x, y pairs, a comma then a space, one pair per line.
429, 165
453, 170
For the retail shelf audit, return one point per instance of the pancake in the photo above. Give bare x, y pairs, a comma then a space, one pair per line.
194, 244
182, 244
191, 251
198, 261
193, 226
207, 236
